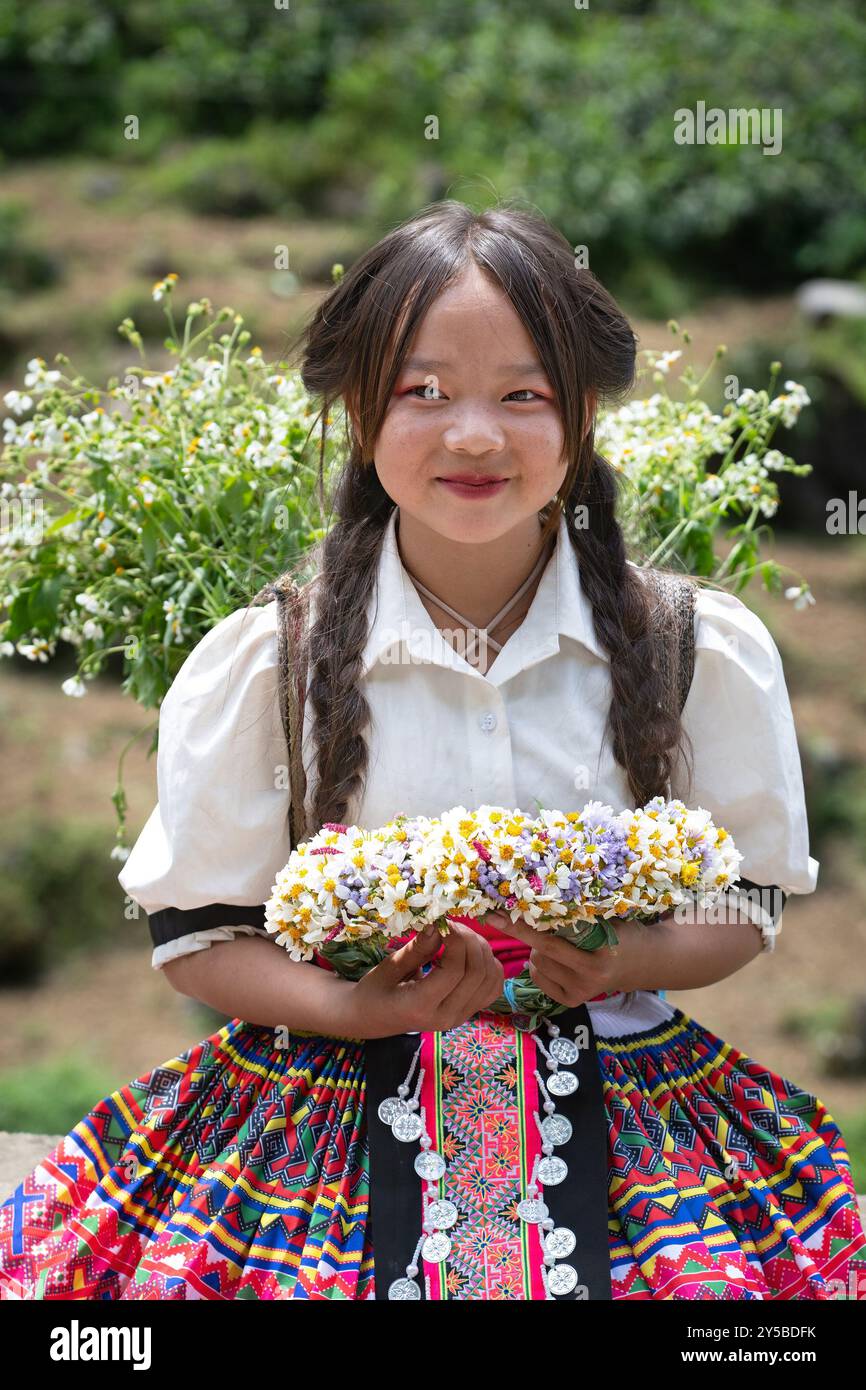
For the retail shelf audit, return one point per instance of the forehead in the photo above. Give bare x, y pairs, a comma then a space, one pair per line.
472, 318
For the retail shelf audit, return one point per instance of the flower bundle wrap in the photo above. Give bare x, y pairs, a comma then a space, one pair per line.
351, 895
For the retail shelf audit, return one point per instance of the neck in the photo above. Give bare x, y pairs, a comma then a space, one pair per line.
477, 580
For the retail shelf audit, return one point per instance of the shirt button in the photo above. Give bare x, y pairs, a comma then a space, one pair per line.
488, 721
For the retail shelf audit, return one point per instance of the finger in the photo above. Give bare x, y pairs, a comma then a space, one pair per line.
409, 958
561, 955
549, 986
553, 947
494, 986
501, 921
566, 986
452, 965
482, 988
521, 929
552, 971
458, 1000
489, 985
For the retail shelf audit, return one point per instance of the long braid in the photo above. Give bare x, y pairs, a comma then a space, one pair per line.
643, 722
349, 561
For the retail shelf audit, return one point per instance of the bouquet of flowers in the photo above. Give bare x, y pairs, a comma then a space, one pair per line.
350, 895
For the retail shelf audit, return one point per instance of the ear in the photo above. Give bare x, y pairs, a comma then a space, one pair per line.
591, 402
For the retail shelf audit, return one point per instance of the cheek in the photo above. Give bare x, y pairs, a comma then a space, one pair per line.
399, 453
406, 435
541, 442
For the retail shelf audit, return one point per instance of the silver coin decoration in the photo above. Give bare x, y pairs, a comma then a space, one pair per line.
442, 1214
389, 1109
562, 1083
559, 1242
565, 1051
404, 1288
532, 1209
436, 1247
562, 1279
429, 1164
552, 1170
407, 1127
556, 1129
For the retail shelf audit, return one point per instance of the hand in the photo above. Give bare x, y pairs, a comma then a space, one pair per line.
564, 972
394, 997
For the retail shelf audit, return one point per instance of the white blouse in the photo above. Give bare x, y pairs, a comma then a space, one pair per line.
526, 734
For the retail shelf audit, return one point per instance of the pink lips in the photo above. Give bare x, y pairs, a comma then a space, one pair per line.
468, 485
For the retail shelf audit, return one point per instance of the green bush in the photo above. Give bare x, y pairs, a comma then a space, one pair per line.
837, 796
573, 111
58, 895
99, 63
23, 265
853, 1127
269, 169
51, 1097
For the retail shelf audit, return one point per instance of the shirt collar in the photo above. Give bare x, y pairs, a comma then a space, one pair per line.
399, 623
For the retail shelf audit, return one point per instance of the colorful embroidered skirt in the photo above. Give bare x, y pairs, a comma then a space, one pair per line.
242, 1169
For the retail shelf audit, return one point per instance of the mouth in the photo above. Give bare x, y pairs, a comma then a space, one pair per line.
469, 485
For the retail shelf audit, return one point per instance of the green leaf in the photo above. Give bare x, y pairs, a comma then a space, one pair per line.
44, 602
772, 576
149, 543
270, 507
235, 500
19, 616
57, 525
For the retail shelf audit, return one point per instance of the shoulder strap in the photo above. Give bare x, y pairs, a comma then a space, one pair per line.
675, 617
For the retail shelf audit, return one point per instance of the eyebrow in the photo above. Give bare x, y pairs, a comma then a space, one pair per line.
432, 364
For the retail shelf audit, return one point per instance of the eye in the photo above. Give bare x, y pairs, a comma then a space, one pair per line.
429, 393
427, 390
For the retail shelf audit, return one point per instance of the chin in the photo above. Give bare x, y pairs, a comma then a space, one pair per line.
474, 529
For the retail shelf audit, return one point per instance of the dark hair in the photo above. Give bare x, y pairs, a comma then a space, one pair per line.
353, 349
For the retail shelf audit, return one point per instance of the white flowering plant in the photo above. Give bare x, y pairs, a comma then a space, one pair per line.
137, 515
688, 471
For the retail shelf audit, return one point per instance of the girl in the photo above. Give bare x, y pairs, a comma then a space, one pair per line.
473, 634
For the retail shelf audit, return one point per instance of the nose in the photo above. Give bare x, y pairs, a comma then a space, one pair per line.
473, 430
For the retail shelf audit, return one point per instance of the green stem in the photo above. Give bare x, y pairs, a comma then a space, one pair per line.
119, 796
95, 657
746, 526
227, 356
667, 543
710, 366
682, 525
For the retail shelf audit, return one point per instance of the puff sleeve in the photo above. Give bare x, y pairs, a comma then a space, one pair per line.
208, 855
746, 760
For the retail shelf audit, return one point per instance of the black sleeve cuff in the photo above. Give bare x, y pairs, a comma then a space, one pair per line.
170, 923
770, 896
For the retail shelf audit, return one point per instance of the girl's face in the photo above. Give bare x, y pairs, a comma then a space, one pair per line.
472, 442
